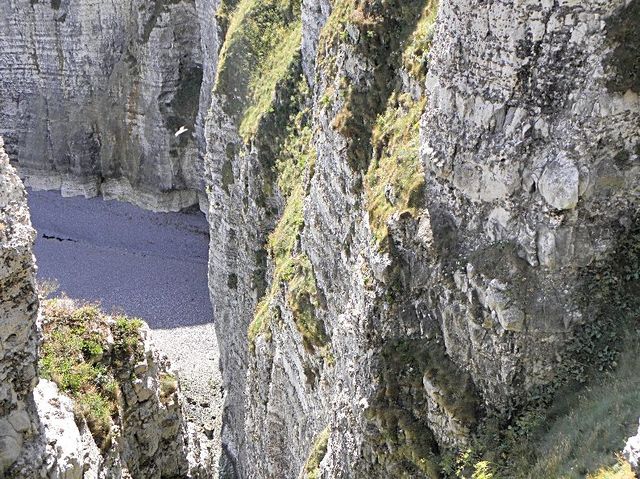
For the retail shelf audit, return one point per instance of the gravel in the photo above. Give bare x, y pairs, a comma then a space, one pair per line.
149, 265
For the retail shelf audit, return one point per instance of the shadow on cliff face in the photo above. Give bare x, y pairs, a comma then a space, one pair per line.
624, 33
151, 265
610, 299
579, 422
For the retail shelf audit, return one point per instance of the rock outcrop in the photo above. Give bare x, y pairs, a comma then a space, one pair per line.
94, 95
119, 412
532, 162
18, 315
413, 229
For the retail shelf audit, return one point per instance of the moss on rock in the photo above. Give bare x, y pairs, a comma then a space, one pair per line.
80, 357
395, 179
377, 31
293, 281
261, 45
316, 455
400, 436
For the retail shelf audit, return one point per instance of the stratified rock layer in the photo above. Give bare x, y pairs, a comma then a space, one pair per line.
94, 93
405, 214
430, 276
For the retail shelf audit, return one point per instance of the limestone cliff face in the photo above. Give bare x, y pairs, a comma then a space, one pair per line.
408, 238
140, 434
18, 314
422, 215
93, 94
530, 147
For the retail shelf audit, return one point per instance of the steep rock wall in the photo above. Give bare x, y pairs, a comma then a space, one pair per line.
18, 314
93, 94
422, 226
109, 406
408, 221
530, 144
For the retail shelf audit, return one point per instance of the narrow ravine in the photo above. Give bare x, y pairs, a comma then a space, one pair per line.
145, 264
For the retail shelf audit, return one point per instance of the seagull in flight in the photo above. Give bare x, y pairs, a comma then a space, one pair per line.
183, 129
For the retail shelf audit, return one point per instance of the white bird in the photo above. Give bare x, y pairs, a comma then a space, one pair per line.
183, 129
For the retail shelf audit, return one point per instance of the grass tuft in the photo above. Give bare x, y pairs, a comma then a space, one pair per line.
621, 470
75, 340
262, 45
293, 276
395, 178
168, 386
590, 427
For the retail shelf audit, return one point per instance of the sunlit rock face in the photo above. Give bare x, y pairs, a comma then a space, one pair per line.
18, 313
411, 304
93, 94
408, 215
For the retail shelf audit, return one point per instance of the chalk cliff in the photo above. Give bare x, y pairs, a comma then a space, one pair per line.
94, 93
411, 217
19, 311
423, 216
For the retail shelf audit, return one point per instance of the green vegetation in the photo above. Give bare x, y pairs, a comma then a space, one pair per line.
97, 410
318, 451
223, 15
263, 83
260, 52
593, 424
383, 29
127, 338
621, 470
73, 356
415, 55
576, 426
578, 436
395, 179
292, 270
399, 433
168, 386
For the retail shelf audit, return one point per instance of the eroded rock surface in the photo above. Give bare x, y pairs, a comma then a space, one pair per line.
531, 163
409, 217
94, 93
18, 314
144, 434
417, 279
